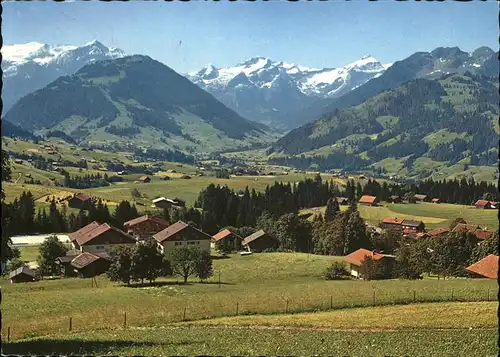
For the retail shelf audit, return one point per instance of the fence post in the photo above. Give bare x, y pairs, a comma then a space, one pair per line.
488, 294
125, 319
8, 333
373, 298
331, 302
286, 307
184, 315
219, 278
451, 293
236, 307
414, 296
70, 323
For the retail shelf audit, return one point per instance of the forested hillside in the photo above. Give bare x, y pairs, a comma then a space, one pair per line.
449, 120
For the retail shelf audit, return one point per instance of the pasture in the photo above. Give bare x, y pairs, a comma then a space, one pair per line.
267, 283
433, 215
462, 338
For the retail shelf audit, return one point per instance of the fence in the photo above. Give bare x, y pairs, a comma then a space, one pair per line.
125, 319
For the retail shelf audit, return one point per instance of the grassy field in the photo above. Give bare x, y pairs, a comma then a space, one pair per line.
29, 253
394, 335
268, 283
433, 215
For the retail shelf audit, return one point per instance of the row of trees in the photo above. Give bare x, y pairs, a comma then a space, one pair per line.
85, 181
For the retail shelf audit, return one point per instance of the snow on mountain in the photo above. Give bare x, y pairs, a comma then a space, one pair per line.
30, 66
276, 87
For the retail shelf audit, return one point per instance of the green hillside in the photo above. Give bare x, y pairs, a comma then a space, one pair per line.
426, 125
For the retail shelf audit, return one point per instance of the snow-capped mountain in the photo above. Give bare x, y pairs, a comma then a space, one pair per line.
31, 66
262, 89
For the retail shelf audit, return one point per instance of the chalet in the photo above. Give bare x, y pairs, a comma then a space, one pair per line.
436, 200
22, 275
64, 263
180, 234
368, 200
87, 265
144, 179
145, 227
260, 241
485, 268
412, 226
356, 258
185, 177
96, 237
18, 161
437, 232
80, 201
230, 241
166, 203
391, 223
395, 199
483, 204
421, 198
343, 201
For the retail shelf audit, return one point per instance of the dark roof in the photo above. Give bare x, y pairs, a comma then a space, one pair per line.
359, 255
66, 258
22, 270
172, 230
367, 199
487, 267
411, 223
255, 236
145, 218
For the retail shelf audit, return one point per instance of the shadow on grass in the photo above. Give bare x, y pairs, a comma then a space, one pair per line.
77, 346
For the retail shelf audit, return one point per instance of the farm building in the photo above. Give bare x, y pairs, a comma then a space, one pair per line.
421, 198
436, 200
166, 203
22, 275
185, 177
389, 223
64, 264
395, 199
437, 232
485, 268
368, 200
87, 265
80, 201
355, 260
179, 234
230, 241
96, 237
464, 227
145, 227
144, 179
484, 234
18, 161
483, 204
260, 241
412, 225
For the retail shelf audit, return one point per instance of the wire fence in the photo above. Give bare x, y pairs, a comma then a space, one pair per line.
194, 310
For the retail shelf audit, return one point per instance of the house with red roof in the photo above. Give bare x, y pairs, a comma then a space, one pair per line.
87, 265
227, 240
356, 258
80, 201
482, 204
485, 268
145, 227
181, 234
96, 237
368, 200
391, 223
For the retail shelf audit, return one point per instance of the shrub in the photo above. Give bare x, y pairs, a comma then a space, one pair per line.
336, 271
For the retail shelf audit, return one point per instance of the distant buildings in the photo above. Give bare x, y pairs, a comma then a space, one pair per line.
368, 200
181, 234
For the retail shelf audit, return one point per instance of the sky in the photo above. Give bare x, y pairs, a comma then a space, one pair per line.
187, 36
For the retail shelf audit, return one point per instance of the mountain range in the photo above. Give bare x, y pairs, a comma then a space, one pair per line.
31, 66
264, 90
135, 100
